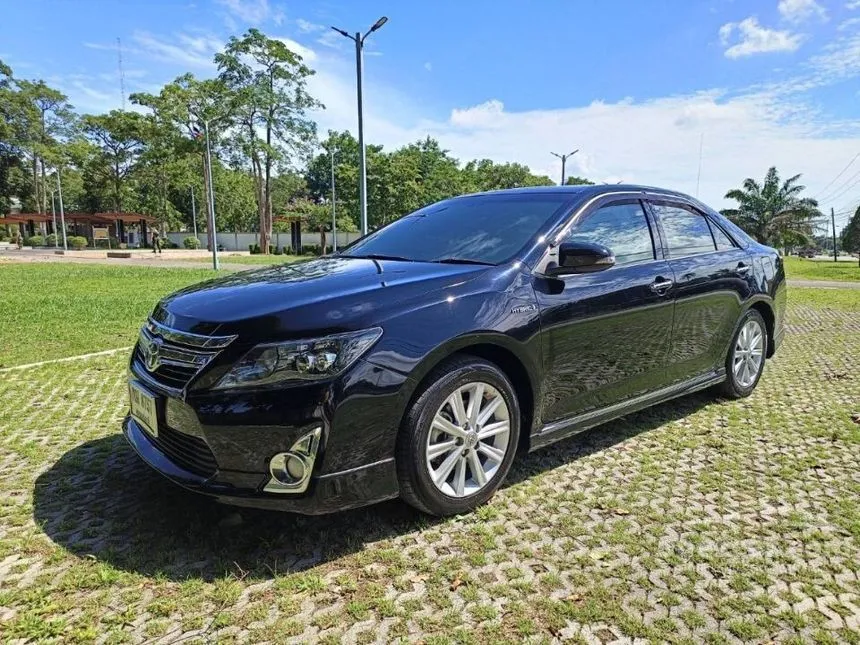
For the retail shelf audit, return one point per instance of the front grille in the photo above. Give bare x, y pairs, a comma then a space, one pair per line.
187, 452
172, 358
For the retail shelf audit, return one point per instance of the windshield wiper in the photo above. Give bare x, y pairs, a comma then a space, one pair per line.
462, 261
378, 256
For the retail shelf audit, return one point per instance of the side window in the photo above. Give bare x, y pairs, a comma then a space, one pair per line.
620, 227
687, 233
724, 243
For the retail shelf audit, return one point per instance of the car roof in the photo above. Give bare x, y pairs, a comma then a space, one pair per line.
587, 190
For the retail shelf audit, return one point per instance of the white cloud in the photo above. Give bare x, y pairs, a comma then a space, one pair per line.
307, 54
307, 27
755, 39
428, 66
183, 49
852, 4
850, 23
253, 12
797, 11
652, 141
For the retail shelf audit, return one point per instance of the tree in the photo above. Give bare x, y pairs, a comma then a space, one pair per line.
773, 212
268, 82
851, 235
118, 139
183, 106
486, 175
578, 181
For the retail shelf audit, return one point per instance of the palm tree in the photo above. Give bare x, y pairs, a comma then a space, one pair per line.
774, 213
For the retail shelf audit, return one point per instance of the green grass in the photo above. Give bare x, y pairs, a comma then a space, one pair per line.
804, 269
843, 299
56, 310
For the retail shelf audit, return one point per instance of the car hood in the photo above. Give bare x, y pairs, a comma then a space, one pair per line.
321, 296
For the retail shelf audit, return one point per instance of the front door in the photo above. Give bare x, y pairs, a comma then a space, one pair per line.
606, 335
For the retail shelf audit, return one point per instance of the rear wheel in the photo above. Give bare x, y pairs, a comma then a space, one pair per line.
745, 361
459, 439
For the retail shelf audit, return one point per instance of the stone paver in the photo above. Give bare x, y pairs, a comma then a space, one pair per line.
699, 520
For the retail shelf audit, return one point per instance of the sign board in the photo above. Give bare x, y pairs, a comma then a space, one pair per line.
100, 233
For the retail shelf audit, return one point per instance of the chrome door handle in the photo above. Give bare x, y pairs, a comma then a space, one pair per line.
661, 285
743, 269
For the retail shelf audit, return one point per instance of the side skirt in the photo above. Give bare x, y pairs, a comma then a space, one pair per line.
557, 430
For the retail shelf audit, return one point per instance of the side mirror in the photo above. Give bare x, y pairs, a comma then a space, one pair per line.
581, 257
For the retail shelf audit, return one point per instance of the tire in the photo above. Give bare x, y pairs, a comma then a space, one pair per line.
741, 383
425, 428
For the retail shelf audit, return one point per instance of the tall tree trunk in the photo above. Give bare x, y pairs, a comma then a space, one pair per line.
36, 178
43, 204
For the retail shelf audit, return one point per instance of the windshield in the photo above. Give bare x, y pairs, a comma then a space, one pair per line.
483, 229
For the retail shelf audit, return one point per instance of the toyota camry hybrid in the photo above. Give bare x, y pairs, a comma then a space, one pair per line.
420, 361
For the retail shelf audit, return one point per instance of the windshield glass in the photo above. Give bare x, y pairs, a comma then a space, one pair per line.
485, 229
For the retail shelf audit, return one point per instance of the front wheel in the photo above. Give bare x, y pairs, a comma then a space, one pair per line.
459, 439
745, 361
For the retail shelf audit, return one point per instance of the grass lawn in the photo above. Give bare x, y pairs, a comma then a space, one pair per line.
701, 520
805, 269
54, 310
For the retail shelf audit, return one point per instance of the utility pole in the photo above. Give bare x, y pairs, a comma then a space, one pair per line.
193, 212
333, 207
564, 159
62, 213
833, 222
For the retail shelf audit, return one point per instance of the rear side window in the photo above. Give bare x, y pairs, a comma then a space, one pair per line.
687, 233
622, 228
724, 243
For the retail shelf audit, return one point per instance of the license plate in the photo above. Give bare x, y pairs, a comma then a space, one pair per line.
143, 408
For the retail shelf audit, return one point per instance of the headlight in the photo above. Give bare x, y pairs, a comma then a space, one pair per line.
308, 360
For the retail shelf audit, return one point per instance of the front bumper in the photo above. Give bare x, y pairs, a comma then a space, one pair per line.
327, 493
220, 443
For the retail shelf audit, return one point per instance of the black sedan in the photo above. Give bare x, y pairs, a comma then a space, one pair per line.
421, 360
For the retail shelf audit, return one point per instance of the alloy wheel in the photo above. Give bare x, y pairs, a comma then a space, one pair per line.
749, 354
468, 439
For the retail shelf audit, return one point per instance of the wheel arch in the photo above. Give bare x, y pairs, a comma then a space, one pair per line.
498, 349
765, 308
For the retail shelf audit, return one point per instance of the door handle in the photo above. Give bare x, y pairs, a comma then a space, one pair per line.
742, 269
661, 285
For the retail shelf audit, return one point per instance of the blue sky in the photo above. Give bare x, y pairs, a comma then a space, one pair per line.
636, 86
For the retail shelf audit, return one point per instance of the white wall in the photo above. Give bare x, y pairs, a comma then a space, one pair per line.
240, 241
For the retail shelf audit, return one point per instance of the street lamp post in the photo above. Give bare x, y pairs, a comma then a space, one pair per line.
193, 212
211, 204
358, 39
564, 159
62, 213
333, 206
54, 220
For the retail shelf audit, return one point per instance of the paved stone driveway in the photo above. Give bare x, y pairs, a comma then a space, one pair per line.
700, 520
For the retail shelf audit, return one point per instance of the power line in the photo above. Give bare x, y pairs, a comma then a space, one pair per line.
841, 172
844, 188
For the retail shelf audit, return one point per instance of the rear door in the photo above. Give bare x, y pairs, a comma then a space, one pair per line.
712, 277
606, 335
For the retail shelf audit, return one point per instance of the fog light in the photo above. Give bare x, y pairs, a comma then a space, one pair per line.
291, 471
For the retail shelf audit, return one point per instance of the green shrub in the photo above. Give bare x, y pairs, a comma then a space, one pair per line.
51, 240
35, 240
3, 235
312, 249
256, 250
191, 242
288, 250
77, 242
277, 251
